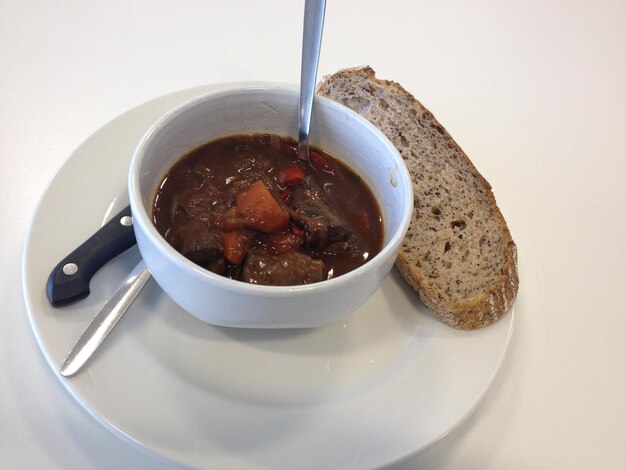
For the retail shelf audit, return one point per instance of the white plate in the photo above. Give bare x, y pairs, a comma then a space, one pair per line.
373, 389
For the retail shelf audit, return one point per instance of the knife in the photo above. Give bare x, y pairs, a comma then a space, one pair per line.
69, 280
105, 320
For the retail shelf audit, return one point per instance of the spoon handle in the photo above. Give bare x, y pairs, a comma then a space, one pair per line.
311, 42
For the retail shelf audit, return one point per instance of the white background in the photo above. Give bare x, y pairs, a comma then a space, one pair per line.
534, 92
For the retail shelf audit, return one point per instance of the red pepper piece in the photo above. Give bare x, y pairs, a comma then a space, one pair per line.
291, 175
319, 162
285, 194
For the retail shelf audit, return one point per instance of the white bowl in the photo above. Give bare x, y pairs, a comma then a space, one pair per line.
270, 109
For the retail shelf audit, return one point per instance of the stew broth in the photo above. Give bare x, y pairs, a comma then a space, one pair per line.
245, 207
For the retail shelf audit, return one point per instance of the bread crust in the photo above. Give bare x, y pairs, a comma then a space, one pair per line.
489, 301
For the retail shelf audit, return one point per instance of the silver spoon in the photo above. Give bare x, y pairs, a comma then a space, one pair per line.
311, 42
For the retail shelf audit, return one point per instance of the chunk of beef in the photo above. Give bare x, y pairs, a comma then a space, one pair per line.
322, 223
252, 168
203, 205
287, 269
196, 241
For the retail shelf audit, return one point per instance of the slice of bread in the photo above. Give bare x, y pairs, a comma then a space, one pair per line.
458, 253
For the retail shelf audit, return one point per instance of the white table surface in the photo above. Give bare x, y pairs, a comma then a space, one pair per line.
534, 92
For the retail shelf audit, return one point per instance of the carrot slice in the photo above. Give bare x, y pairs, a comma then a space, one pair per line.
230, 220
235, 244
261, 211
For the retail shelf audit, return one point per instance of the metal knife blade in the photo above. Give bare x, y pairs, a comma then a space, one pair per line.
105, 320
69, 280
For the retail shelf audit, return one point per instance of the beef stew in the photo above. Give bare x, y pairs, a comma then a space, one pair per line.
245, 207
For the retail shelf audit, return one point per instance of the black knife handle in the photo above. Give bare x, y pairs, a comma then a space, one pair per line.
69, 280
